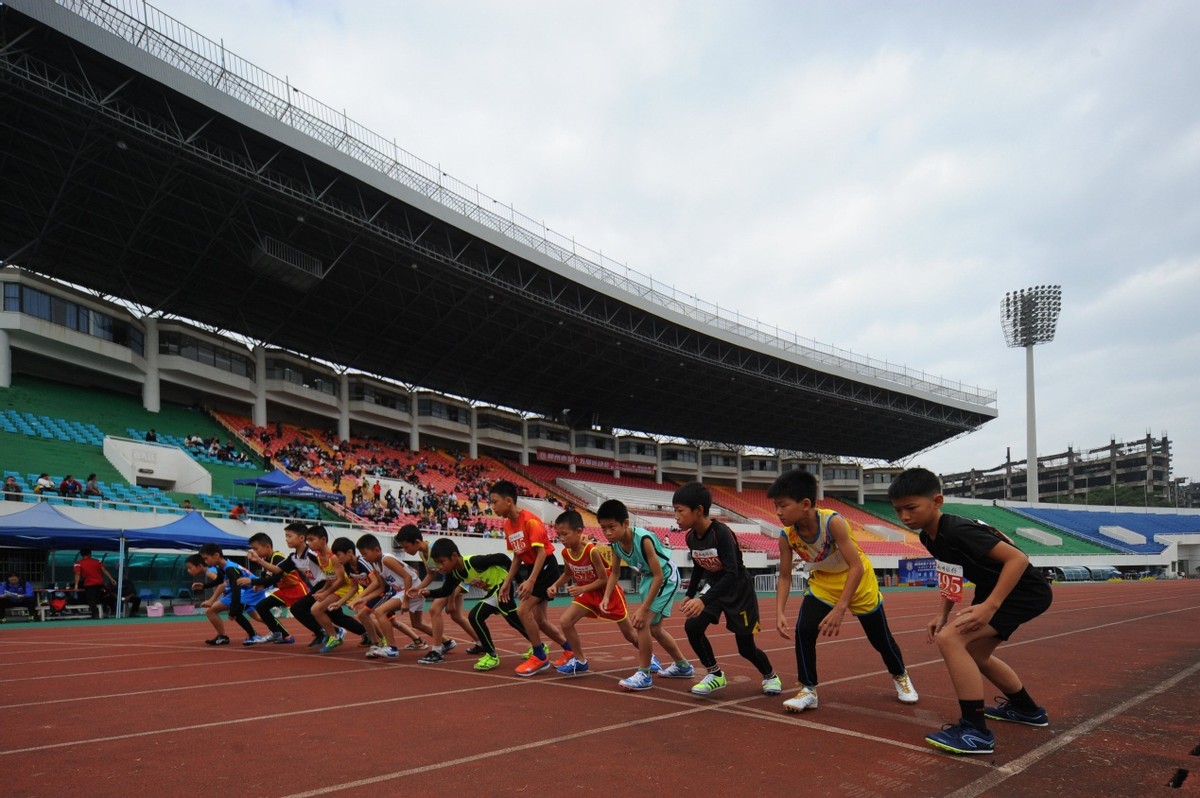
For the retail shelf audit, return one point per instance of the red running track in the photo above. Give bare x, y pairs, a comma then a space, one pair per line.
146, 709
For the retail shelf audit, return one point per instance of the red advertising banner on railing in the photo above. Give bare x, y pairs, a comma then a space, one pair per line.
600, 463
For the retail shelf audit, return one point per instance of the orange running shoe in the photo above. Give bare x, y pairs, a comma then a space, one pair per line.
563, 659
534, 664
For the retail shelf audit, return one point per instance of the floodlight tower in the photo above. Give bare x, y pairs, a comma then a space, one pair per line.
1029, 317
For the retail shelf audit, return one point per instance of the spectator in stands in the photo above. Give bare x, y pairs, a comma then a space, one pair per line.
151, 436
70, 488
187, 506
91, 488
12, 490
43, 485
94, 576
18, 592
238, 513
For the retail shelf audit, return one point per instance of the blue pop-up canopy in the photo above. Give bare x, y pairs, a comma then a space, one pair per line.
301, 489
275, 479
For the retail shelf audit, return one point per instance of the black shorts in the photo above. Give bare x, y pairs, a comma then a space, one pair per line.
740, 609
546, 577
1018, 608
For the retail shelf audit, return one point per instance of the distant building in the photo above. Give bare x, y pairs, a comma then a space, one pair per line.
1137, 472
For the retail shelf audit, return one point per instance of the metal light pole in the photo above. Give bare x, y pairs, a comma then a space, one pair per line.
1029, 317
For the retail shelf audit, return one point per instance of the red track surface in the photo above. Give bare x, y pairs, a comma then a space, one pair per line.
146, 709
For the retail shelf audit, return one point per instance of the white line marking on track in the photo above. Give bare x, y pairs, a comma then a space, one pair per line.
1024, 762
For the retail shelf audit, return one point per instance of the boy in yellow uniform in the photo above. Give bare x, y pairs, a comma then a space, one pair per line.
841, 579
337, 590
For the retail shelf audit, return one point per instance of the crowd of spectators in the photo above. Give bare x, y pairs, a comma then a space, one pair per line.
223, 452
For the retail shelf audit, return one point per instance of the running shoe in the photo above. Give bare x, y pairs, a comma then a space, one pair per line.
563, 658
331, 644
285, 640
528, 653
572, 667
655, 665
905, 692
318, 641
374, 652
640, 680
962, 738
475, 649
772, 686
390, 652
432, 658
274, 637
805, 699
365, 641
219, 640
677, 671
449, 645
1004, 710
532, 665
711, 683
256, 640
417, 645
487, 662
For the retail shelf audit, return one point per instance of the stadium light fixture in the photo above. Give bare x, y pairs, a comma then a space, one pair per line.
1030, 317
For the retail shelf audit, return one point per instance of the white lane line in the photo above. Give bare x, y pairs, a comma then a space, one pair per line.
1024, 762
256, 718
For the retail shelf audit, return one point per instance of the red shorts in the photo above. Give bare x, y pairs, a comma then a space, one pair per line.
615, 611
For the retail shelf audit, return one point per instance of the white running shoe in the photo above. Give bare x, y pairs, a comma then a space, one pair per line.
905, 691
805, 699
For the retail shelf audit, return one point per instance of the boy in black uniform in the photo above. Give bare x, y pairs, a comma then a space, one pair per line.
728, 589
1008, 593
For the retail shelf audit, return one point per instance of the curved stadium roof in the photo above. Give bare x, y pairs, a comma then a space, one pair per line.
166, 172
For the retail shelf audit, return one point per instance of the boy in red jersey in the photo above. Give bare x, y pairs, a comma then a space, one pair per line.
535, 569
585, 566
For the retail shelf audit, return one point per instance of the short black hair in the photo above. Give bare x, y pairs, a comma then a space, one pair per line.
368, 542
194, 559
796, 485
317, 531
503, 488
341, 545
297, 528
212, 550
571, 519
613, 510
261, 537
692, 495
85, 552
915, 482
409, 533
443, 549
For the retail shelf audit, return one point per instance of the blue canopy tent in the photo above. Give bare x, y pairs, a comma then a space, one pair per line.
275, 479
301, 489
44, 526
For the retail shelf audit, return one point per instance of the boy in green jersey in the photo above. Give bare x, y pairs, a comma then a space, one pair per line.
486, 572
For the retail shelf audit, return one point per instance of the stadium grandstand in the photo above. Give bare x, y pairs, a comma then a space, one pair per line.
191, 246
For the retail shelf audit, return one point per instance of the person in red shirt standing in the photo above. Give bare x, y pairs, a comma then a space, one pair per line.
535, 569
94, 576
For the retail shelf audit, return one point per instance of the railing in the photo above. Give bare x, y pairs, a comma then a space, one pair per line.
164, 37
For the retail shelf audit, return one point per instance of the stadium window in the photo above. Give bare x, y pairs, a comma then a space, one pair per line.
12, 297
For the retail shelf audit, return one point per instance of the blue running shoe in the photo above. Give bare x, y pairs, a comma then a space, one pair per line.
655, 665
1005, 711
638, 681
962, 738
573, 667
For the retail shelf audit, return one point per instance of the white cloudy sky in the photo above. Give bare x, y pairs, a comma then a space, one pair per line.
872, 175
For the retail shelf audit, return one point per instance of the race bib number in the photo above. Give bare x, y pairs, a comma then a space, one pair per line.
950, 581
